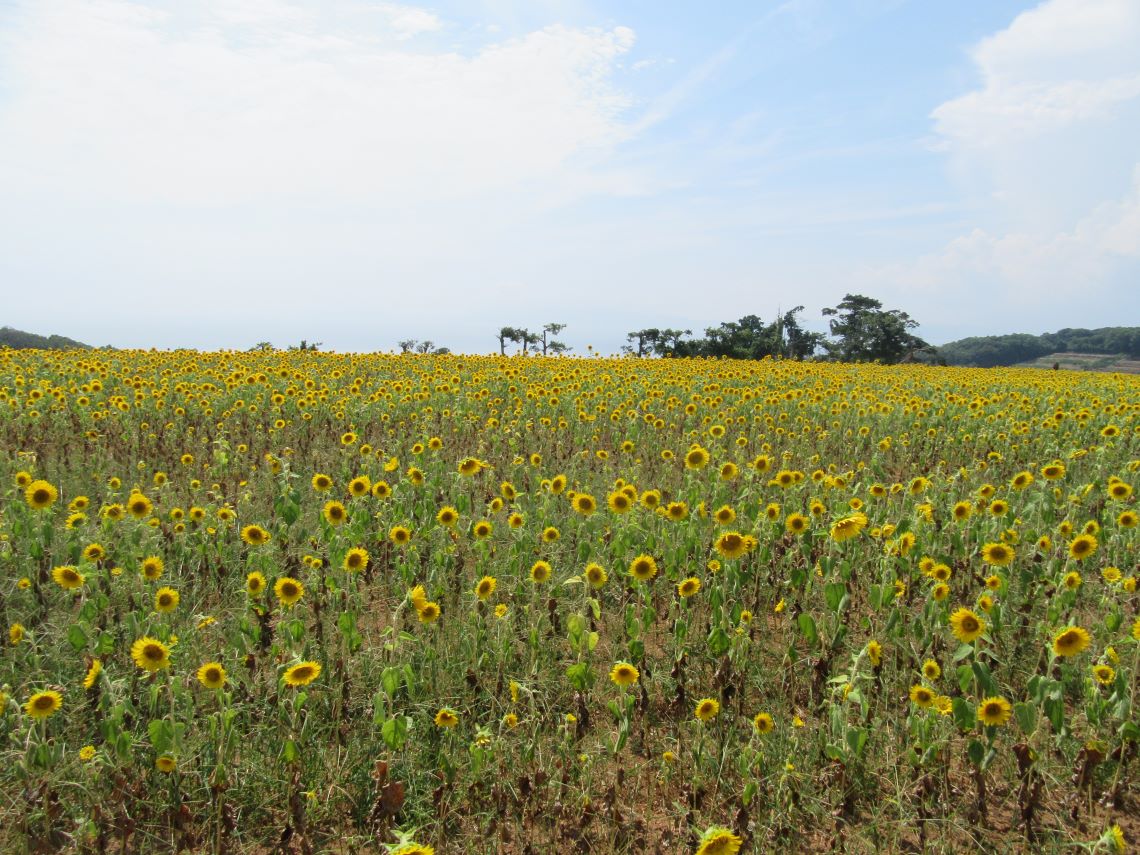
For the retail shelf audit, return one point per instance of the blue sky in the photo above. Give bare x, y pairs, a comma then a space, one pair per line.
354, 172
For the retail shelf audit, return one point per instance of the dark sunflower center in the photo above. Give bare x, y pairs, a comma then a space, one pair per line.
153, 652
44, 702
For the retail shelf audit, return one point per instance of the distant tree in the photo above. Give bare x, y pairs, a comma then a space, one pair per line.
407, 345
794, 341
262, 347
642, 342
528, 339
865, 332
668, 342
425, 346
305, 345
747, 338
441, 351
549, 344
507, 334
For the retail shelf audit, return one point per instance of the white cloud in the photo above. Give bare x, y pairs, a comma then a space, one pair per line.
227, 101
1046, 145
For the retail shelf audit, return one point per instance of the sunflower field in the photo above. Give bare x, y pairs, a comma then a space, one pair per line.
303, 602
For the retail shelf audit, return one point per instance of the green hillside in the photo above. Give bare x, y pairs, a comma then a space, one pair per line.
20, 340
1121, 343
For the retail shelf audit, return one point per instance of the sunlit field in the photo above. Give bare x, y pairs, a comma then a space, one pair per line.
307, 602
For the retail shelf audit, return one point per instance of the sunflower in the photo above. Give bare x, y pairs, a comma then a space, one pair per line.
412, 849
796, 523
676, 511
848, 527
429, 613
150, 654
719, 841
966, 625
651, 499
1104, 674
254, 535
875, 653
688, 587
302, 673
288, 590
446, 718
40, 495
1082, 546
707, 709
255, 583
482, 529
68, 578
550, 534
731, 544
624, 674
447, 516
335, 512
596, 575
962, 511
1119, 490
1128, 519
931, 670
322, 482
994, 712
139, 506
1053, 472
485, 587
165, 764
763, 723
94, 552
585, 504
940, 591
355, 560
999, 507
166, 600
696, 458
619, 502
469, 466
43, 705
1021, 480
212, 675
1071, 641
15, 634
724, 515
400, 535
540, 572
922, 696
643, 568
998, 554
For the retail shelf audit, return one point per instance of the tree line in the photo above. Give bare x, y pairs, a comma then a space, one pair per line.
994, 350
861, 330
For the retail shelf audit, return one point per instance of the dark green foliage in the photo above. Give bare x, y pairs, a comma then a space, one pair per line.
866, 332
994, 350
20, 340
